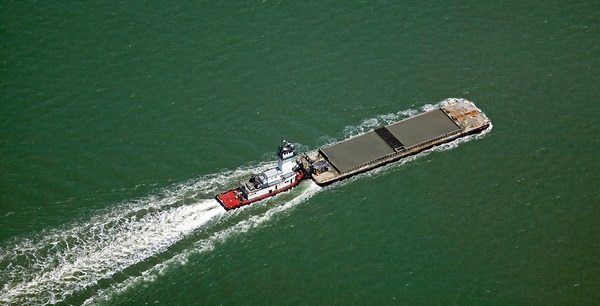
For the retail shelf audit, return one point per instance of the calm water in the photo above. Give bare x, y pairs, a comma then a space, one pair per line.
119, 122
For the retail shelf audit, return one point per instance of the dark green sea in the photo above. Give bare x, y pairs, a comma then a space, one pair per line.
119, 122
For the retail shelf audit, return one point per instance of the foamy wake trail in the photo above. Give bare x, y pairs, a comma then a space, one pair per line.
58, 264
309, 189
98, 253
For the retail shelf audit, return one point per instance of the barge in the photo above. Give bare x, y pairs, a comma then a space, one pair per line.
453, 119
390, 143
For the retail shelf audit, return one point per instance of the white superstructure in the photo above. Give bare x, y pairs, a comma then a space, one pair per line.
273, 179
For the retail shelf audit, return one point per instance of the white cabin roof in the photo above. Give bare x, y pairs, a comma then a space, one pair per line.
272, 172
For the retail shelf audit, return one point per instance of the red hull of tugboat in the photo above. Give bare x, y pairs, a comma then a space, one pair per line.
230, 201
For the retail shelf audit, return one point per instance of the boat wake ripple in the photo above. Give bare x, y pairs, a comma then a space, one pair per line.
67, 261
308, 189
91, 260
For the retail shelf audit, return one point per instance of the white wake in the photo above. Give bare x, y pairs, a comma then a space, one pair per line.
59, 263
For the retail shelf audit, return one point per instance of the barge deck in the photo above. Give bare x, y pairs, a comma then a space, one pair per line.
457, 118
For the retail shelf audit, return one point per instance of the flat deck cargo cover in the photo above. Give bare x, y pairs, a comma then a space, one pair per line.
423, 127
365, 148
356, 151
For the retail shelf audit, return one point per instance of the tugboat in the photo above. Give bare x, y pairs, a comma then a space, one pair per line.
286, 175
